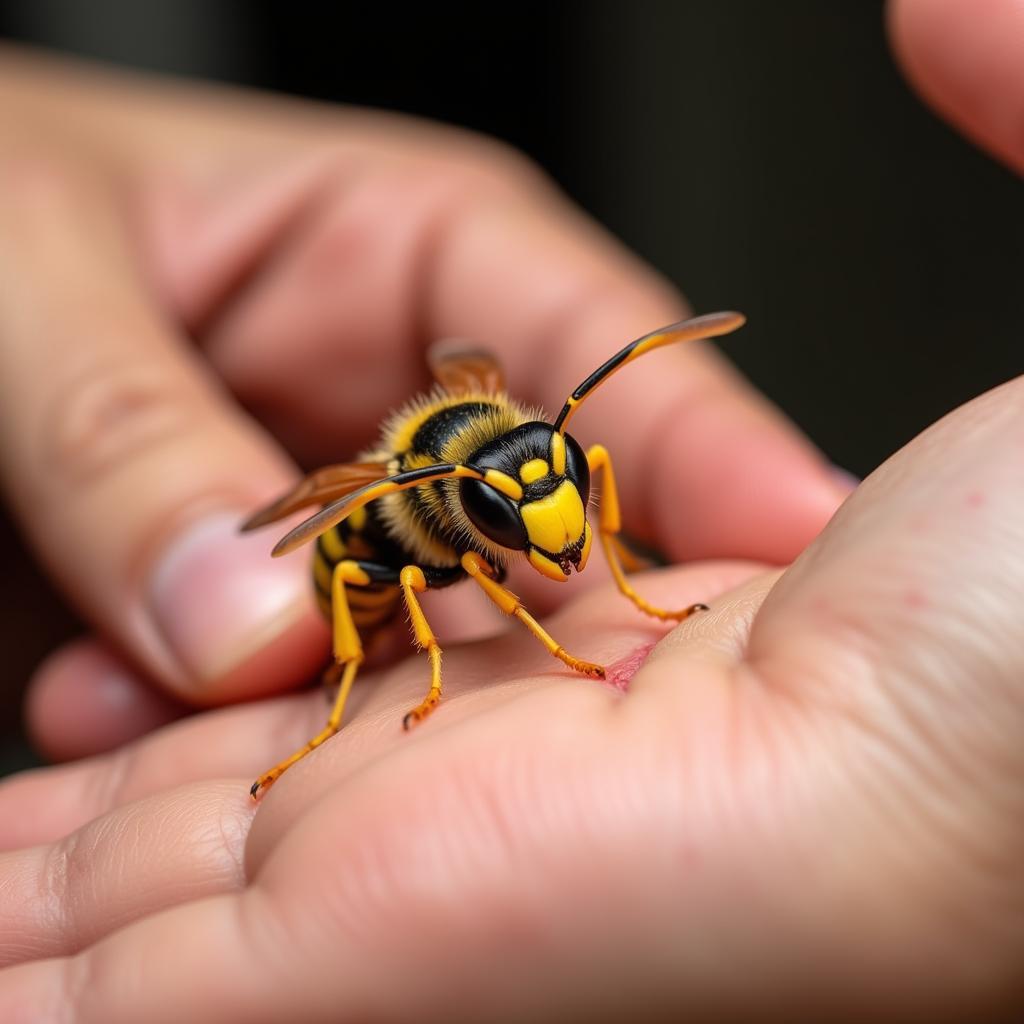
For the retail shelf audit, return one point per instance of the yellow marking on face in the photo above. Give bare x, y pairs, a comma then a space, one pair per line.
546, 567
588, 537
557, 454
556, 521
533, 470
504, 483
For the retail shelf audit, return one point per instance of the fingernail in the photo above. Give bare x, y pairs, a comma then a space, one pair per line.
217, 596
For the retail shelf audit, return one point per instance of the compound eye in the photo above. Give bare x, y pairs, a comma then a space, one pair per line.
494, 515
577, 469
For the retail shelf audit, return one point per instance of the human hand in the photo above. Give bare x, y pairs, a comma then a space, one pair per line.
310, 253
906, 898
808, 806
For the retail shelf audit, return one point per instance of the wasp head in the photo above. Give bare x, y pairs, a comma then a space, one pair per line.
534, 497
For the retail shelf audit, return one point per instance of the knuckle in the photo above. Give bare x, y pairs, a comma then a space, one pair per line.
491, 167
107, 415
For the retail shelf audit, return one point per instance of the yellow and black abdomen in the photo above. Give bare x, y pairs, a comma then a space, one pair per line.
359, 537
423, 526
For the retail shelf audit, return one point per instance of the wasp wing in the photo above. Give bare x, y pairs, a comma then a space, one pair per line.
338, 510
460, 366
322, 487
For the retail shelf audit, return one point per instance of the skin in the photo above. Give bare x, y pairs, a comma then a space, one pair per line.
807, 805
200, 280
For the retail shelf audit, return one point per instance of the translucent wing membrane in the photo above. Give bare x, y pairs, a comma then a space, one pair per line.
460, 366
344, 507
319, 488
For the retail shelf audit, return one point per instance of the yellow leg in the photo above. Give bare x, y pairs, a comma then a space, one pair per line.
330, 680
483, 575
629, 559
609, 524
348, 653
413, 581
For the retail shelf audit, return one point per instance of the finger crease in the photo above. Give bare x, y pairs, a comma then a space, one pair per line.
107, 417
54, 891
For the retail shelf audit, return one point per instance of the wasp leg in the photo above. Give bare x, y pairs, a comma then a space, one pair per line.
631, 561
413, 581
483, 575
330, 681
609, 525
348, 653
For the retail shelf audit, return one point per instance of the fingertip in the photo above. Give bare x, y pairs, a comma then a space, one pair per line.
287, 658
964, 57
236, 623
84, 699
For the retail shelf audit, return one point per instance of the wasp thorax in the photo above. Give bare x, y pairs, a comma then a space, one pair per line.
535, 497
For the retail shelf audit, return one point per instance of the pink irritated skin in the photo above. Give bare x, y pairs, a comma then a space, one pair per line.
619, 674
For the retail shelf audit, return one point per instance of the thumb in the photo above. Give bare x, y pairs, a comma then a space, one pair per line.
965, 56
900, 629
127, 464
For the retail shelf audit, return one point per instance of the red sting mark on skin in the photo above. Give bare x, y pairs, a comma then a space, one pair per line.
975, 499
621, 672
915, 599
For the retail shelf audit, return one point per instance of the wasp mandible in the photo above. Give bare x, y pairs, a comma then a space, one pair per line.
462, 479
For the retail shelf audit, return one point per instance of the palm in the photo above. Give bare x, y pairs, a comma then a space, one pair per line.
774, 769
518, 769
825, 807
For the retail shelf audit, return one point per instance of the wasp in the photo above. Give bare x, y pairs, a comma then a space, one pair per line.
462, 480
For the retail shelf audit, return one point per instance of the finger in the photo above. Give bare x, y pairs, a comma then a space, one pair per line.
43, 805
421, 249
897, 640
85, 700
924, 561
697, 447
170, 849
965, 58
127, 465
129, 976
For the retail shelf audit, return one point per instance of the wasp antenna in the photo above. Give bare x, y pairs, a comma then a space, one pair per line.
341, 509
711, 325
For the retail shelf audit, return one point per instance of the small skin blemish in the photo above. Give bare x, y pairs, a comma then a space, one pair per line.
975, 499
915, 599
619, 674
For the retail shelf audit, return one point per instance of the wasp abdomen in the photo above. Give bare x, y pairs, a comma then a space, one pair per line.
373, 605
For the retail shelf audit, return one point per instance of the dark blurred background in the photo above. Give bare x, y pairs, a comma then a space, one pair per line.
766, 157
